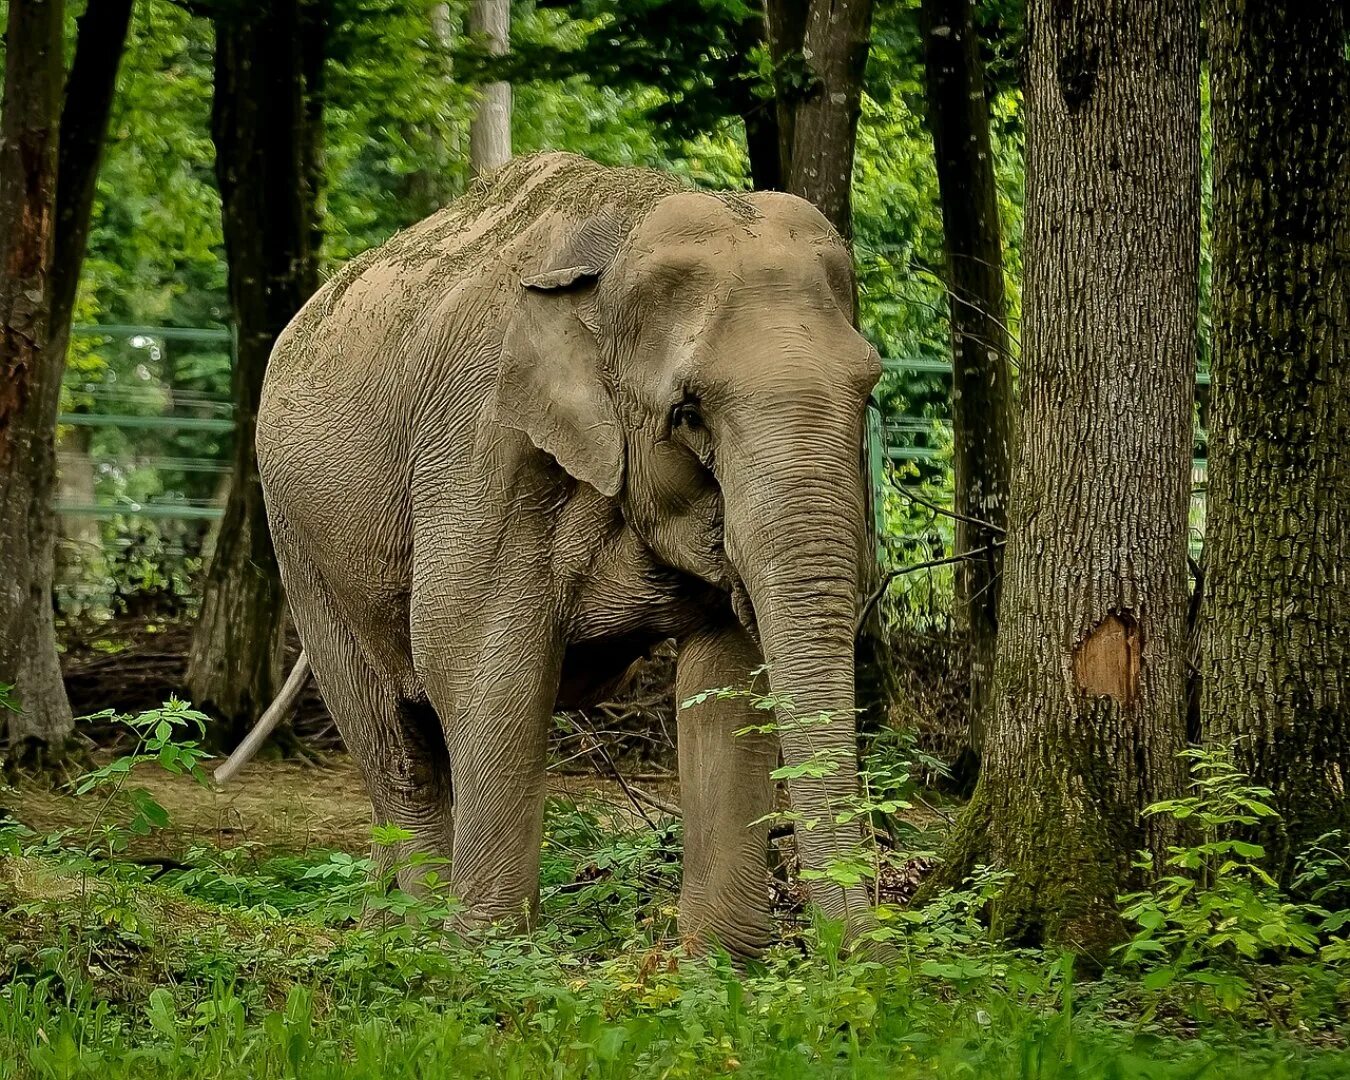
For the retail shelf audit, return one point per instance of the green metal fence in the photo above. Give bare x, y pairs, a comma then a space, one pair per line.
891, 441
153, 409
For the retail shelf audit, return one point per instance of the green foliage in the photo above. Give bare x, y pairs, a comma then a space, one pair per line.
306, 965
156, 735
1214, 912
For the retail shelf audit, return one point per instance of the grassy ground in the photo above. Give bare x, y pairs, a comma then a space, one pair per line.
234, 934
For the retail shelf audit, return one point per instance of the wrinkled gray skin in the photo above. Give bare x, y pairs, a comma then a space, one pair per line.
579, 412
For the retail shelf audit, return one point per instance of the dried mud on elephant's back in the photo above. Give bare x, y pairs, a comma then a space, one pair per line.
501, 206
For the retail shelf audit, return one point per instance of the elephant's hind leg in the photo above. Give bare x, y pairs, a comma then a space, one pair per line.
397, 743
398, 746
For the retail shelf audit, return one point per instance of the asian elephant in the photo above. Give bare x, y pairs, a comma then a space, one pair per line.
580, 411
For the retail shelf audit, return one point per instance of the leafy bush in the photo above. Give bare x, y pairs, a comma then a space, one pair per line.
1214, 912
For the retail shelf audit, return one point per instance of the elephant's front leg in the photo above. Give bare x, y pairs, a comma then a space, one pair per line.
724, 787
496, 708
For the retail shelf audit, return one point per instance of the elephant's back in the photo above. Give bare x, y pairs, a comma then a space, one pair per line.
382, 301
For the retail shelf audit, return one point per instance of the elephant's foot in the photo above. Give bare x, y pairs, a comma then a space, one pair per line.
744, 930
472, 921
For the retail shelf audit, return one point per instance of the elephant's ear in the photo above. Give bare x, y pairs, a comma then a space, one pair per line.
550, 384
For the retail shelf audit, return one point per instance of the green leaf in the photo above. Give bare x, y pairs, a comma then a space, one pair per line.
1158, 979
161, 1012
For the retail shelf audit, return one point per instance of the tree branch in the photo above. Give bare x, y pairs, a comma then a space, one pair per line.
880, 590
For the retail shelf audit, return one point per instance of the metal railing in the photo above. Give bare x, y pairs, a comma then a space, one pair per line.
895, 439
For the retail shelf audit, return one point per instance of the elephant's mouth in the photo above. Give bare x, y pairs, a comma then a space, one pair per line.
740, 604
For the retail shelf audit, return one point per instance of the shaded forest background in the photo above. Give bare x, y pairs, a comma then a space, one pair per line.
1040, 192
679, 85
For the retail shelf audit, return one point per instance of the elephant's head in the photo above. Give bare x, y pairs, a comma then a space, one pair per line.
702, 367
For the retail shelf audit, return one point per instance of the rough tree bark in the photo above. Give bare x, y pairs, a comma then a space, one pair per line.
31, 387
1276, 627
490, 129
263, 121
1089, 679
836, 35
982, 388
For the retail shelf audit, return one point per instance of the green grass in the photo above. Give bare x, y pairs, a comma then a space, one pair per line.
251, 963
259, 970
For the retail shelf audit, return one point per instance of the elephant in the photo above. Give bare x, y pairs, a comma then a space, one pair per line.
581, 411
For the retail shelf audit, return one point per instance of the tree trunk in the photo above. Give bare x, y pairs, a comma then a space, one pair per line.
1090, 673
490, 130
31, 388
785, 29
77, 485
825, 122
263, 124
99, 45
819, 49
763, 144
431, 185
1276, 637
982, 389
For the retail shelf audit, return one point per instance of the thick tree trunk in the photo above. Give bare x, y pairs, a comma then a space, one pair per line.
31, 388
490, 130
982, 389
1089, 680
1276, 637
262, 122
824, 126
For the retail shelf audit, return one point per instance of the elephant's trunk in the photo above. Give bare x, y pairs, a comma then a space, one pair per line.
792, 536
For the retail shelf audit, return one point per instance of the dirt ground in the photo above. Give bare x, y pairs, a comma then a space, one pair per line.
278, 805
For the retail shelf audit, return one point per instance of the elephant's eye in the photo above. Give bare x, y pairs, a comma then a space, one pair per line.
688, 428
687, 416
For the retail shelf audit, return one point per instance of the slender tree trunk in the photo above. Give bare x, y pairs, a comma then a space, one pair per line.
1090, 674
761, 144
76, 484
432, 184
760, 115
263, 122
825, 124
490, 131
982, 389
31, 388
1276, 637
99, 45
785, 29
819, 49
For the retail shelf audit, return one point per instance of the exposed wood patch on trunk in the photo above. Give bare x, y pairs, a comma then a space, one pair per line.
1106, 662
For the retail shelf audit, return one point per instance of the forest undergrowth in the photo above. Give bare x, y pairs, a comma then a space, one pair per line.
265, 960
